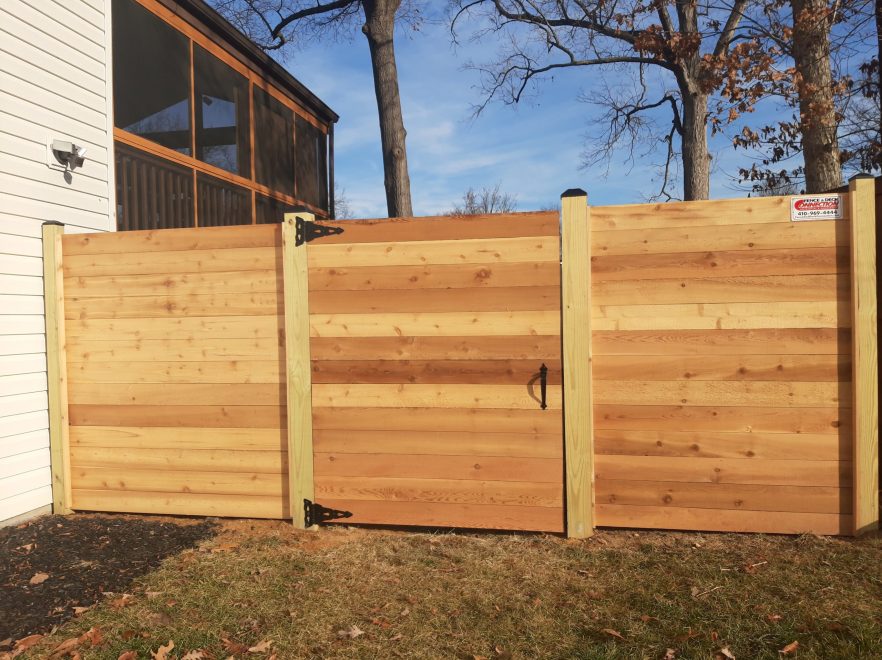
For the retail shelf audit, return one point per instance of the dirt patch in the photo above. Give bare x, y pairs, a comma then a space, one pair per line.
54, 564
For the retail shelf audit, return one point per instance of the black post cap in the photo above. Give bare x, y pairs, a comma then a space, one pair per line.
573, 192
862, 175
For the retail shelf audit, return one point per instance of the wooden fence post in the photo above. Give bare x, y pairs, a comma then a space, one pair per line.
576, 355
56, 367
865, 405
298, 369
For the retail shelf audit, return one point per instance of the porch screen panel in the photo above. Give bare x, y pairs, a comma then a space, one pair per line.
151, 193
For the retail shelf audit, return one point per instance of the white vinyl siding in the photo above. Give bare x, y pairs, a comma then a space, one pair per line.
54, 84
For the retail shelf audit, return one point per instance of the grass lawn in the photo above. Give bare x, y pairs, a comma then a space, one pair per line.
356, 593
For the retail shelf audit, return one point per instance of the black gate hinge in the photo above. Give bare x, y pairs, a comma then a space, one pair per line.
315, 514
306, 231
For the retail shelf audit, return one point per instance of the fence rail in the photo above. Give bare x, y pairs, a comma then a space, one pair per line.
709, 365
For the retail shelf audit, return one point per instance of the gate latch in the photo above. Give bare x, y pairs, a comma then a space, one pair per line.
316, 514
306, 231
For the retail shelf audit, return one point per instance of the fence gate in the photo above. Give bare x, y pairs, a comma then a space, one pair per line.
428, 341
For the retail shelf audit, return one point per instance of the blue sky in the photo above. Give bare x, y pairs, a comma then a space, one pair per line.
533, 150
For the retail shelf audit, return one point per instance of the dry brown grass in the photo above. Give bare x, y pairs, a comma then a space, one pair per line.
419, 595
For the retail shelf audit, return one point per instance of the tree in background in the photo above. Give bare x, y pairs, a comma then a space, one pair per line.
485, 201
342, 206
836, 119
694, 47
277, 24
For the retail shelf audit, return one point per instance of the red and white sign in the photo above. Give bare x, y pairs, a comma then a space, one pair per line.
816, 207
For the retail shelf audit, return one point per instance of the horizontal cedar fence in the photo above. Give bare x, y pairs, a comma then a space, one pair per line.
708, 366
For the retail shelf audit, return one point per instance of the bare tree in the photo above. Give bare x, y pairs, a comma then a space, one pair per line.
276, 24
342, 206
691, 45
485, 201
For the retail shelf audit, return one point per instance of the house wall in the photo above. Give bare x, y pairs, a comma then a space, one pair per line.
54, 84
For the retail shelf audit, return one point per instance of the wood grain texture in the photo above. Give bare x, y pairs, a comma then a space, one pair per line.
420, 278
521, 396
721, 520
159, 240
735, 497
191, 329
723, 316
199, 480
721, 418
452, 491
188, 460
738, 367
765, 236
463, 516
188, 305
174, 284
471, 299
417, 466
429, 442
158, 263
500, 347
298, 384
463, 420
716, 212
755, 289
196, 371
724, 470
419, 253
171, 394
765, 341
710, 444
721, 263
464, 372
206, 349
865, 354
440, 228
436, 324
577, 332
56, 364
184, 416
158, 437
187, 504
722, 393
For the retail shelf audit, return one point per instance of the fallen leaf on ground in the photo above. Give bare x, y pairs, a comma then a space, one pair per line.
396, 638
77, 610
24, 644
350, 633
122, 601
93, 635
6, 642
725, 653
774, 618
27, 547
128, 655
614, 633
261, 647
670, 654
233, 647
64, 647
159, 619
39, 578
196, 654
163, 651
152, 594
645, 618
790, 648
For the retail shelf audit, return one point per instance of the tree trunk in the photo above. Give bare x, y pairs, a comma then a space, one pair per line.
379, 28
696, 160
814, 85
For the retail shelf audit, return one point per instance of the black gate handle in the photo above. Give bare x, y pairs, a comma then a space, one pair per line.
543, 384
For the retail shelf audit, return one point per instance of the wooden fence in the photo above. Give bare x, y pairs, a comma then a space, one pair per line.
709, 366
